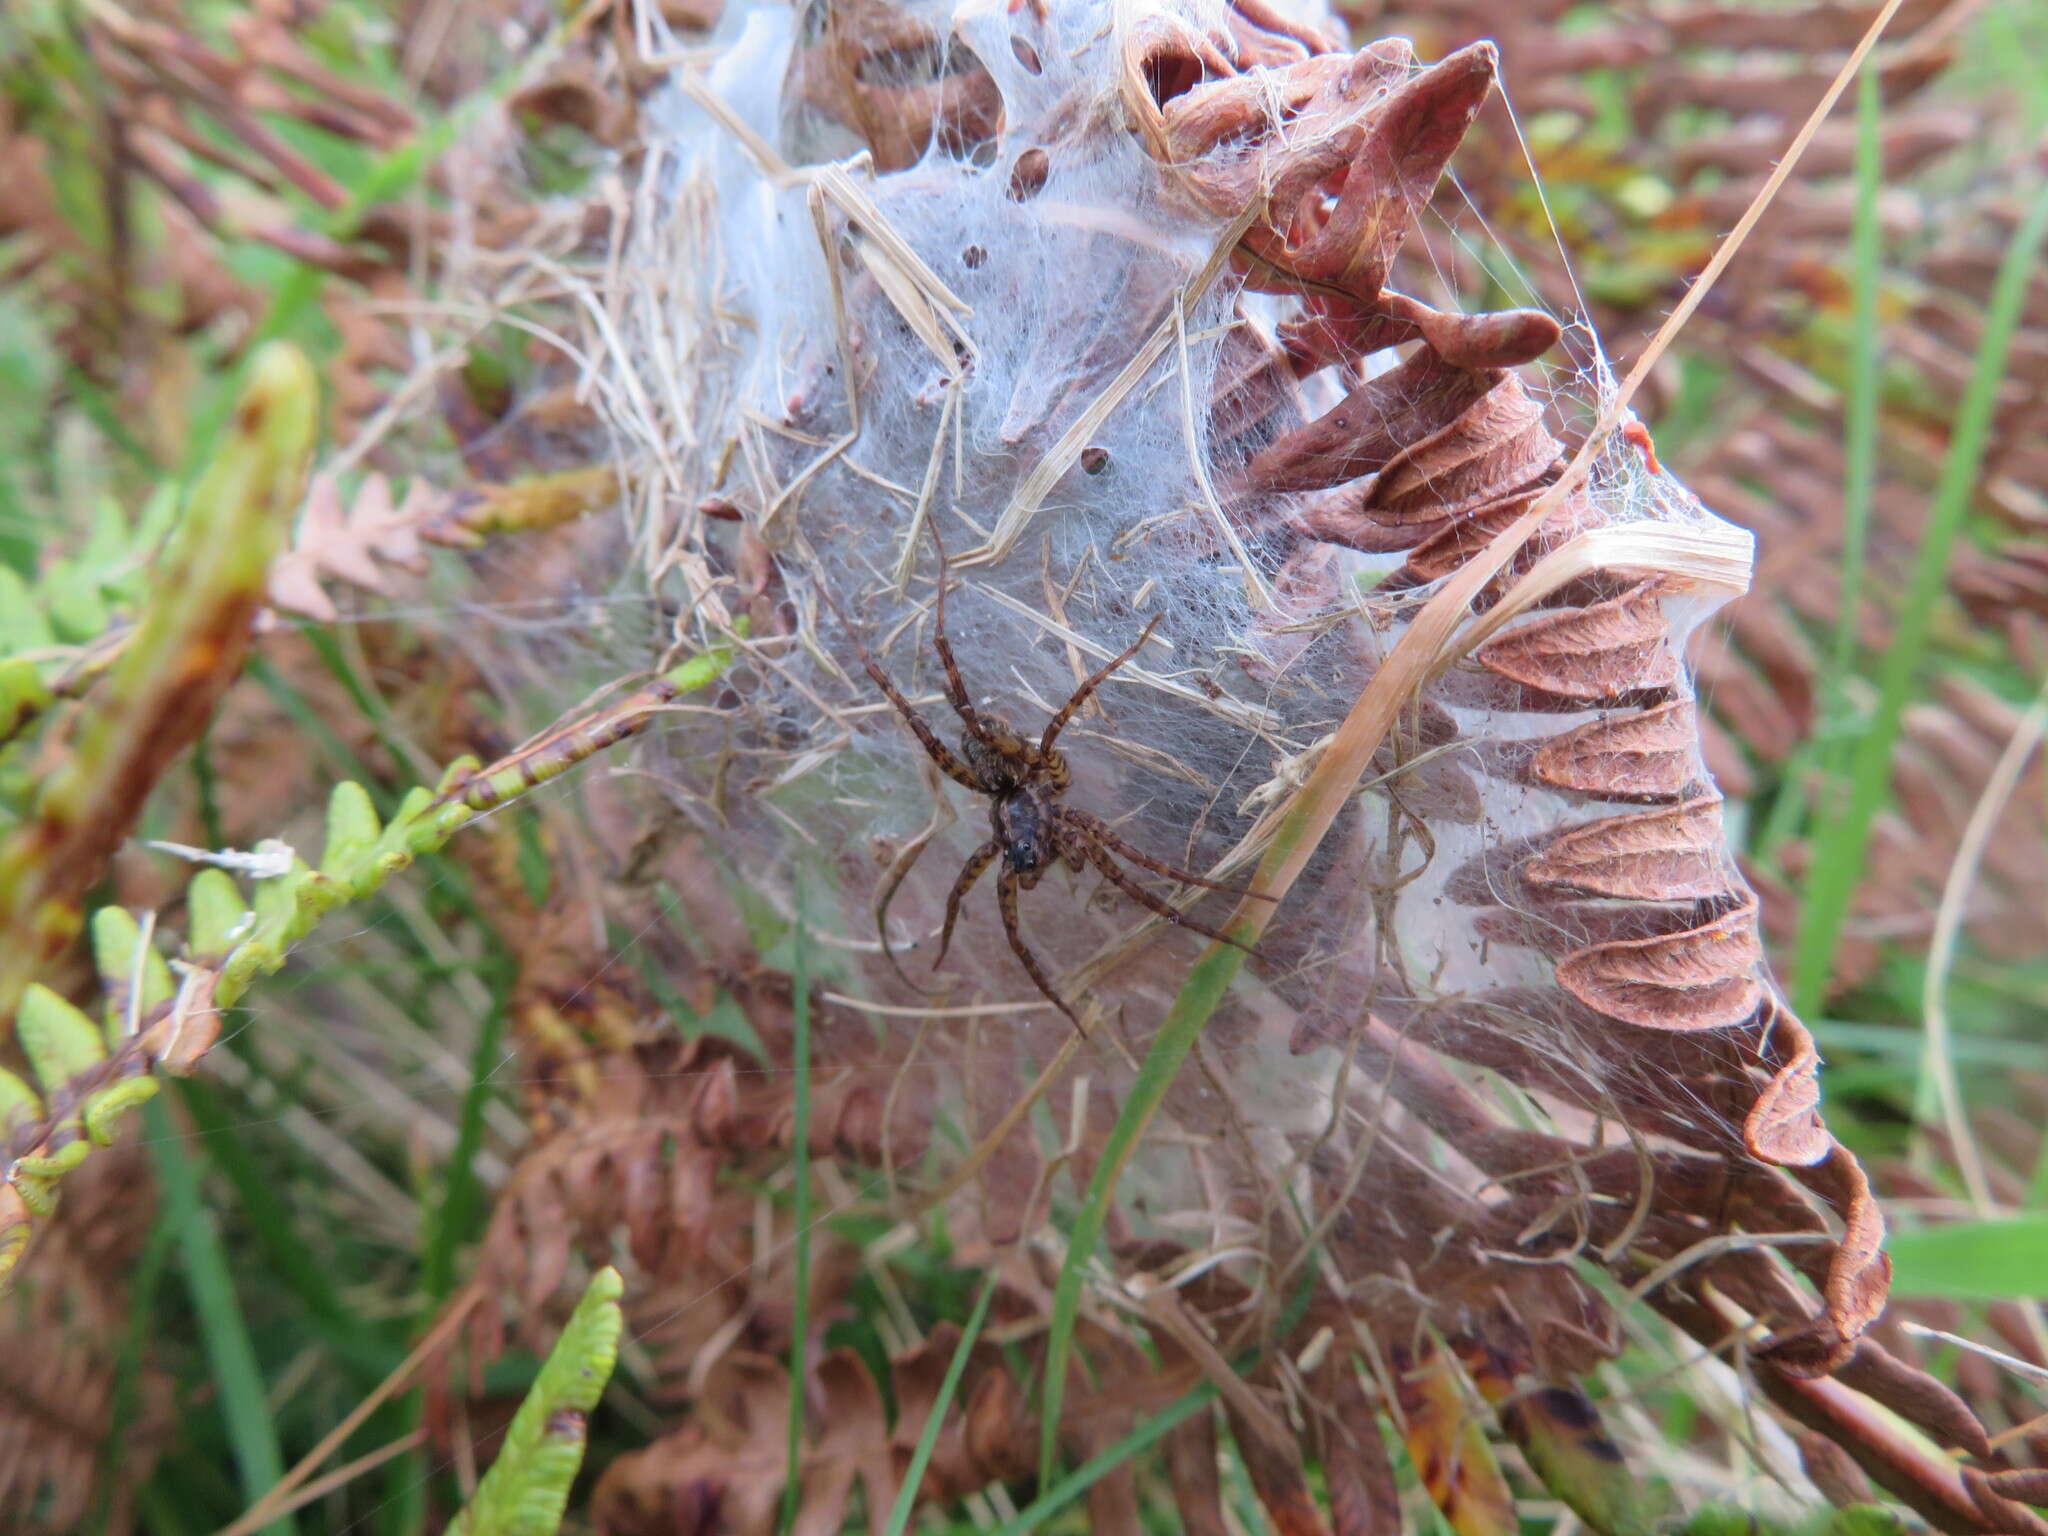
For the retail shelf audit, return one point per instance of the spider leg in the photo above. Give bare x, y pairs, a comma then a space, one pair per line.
956, 688
1099, 857
898, 871
927, 738
1006, 901
1094, 829
1082, 694
970, 872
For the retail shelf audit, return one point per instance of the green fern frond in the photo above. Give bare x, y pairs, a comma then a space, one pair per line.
528, 1485
235, 940
159, 694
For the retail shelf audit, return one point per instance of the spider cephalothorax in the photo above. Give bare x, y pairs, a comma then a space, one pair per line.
1020, 791
1030, 827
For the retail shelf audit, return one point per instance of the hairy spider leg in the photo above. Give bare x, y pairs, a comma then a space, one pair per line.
1099, 857
970, 872
1082, 694
927, 738
1007, 885
956, 687
1095, 829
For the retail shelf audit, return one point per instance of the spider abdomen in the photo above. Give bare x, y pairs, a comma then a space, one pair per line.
1023, 825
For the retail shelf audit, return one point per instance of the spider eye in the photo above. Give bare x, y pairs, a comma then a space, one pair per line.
1024, 853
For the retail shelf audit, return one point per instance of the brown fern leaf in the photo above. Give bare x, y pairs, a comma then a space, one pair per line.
63, 1330
725, 1469
351, 540
1779, 471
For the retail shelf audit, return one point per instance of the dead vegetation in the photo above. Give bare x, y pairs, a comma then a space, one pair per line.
1611, 1140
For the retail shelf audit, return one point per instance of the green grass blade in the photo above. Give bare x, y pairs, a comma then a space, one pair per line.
1090, 1472
1842, 846
1207, 982
800, 1321
234, 1374
906, 1496
1864, 388
1972, 1260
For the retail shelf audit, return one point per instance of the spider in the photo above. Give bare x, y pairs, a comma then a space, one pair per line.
1025, 781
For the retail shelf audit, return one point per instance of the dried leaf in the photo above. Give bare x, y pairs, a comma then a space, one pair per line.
1784, 1125
1702, 978
1601, 651
1915, 1396
1647, 755
1193, 1475
1494, 447
1276, 1474
351, 541
1364, 431
62, 1331
1859, 1271
1449, 1447
1361, 215
1364, 1498
1450, 548
1677, 854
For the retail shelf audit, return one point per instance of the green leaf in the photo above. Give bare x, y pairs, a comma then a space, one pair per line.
23, 626
214, 909
19, 1103
60, 1042
1978, 1260
23, 694
236, 1378
72, 598
352, 829
132, 974
528, 1485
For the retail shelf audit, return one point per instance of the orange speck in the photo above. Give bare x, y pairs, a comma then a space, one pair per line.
1635, 432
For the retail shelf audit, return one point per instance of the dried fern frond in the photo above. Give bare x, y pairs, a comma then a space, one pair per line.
351, 541
1777, 468
63, 1331
1507, 1072
1612, 1082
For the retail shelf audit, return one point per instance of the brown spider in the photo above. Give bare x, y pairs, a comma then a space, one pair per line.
1024, 781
